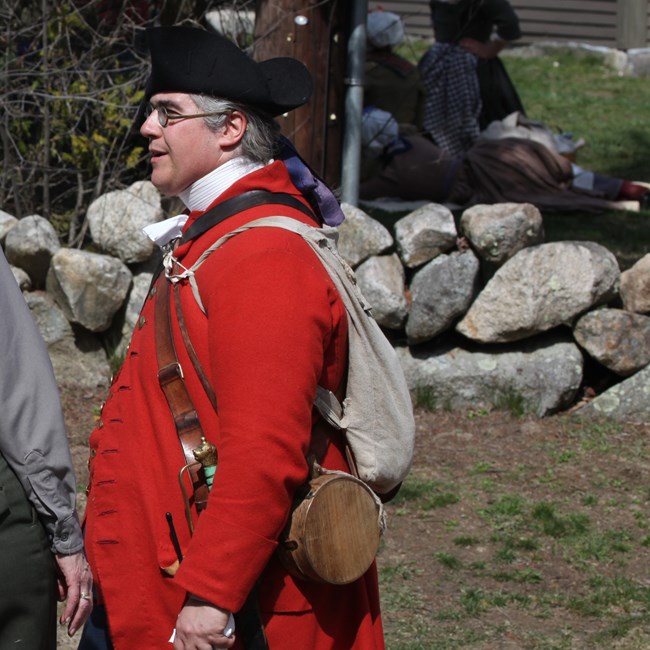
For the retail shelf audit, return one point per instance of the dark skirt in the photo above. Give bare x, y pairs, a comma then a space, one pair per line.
499, 96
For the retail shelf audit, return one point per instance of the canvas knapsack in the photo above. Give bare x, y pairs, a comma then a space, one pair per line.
376, 414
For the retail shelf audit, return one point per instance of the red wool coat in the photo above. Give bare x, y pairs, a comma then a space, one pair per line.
275, 328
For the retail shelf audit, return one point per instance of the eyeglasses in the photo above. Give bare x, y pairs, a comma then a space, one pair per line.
165, 116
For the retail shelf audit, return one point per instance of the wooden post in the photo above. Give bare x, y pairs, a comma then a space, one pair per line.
632, 24
313, 32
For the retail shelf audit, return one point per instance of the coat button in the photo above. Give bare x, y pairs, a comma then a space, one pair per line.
141, 321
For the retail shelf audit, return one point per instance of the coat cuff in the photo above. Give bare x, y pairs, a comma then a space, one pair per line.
213, 569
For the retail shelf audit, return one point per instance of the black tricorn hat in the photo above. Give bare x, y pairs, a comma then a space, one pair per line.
191, 60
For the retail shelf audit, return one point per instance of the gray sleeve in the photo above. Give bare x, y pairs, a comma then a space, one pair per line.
33, 437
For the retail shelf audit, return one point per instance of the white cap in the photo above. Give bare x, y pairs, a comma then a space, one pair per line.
385, 29
378, 129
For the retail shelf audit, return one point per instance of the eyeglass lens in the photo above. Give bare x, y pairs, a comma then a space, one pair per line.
163, 116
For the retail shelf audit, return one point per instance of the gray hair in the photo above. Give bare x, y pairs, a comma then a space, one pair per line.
259, 143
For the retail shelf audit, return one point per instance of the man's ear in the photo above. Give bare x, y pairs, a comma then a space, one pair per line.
233, 129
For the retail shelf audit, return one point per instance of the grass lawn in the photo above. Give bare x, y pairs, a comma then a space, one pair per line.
577, 93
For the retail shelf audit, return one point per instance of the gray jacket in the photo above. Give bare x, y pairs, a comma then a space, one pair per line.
33, 438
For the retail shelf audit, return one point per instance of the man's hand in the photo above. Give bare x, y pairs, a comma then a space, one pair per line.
75, 585
487, 50
200, 626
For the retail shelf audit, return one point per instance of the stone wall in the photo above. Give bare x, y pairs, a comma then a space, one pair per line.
483, 313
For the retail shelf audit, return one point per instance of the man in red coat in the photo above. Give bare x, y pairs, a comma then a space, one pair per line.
269, 328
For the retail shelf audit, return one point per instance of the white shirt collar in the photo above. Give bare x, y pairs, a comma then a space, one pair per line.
200, 194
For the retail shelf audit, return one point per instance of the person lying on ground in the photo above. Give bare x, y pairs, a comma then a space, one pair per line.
517, 170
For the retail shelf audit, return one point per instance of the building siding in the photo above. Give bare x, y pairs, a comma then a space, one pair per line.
611, 23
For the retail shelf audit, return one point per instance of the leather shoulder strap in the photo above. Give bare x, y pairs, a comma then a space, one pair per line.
238, 204
194, 357
170, 377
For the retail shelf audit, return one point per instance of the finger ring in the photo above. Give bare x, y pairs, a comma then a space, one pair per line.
85, 596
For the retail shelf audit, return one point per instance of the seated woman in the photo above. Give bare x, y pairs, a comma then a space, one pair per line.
391, 82
466, 84
492, 171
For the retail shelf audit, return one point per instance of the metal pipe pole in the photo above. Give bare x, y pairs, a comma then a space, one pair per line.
351, 162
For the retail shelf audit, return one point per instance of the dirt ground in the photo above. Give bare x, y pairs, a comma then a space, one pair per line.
507, 534
520, 533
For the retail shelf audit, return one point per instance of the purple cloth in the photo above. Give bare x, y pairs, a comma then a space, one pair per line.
312, 187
